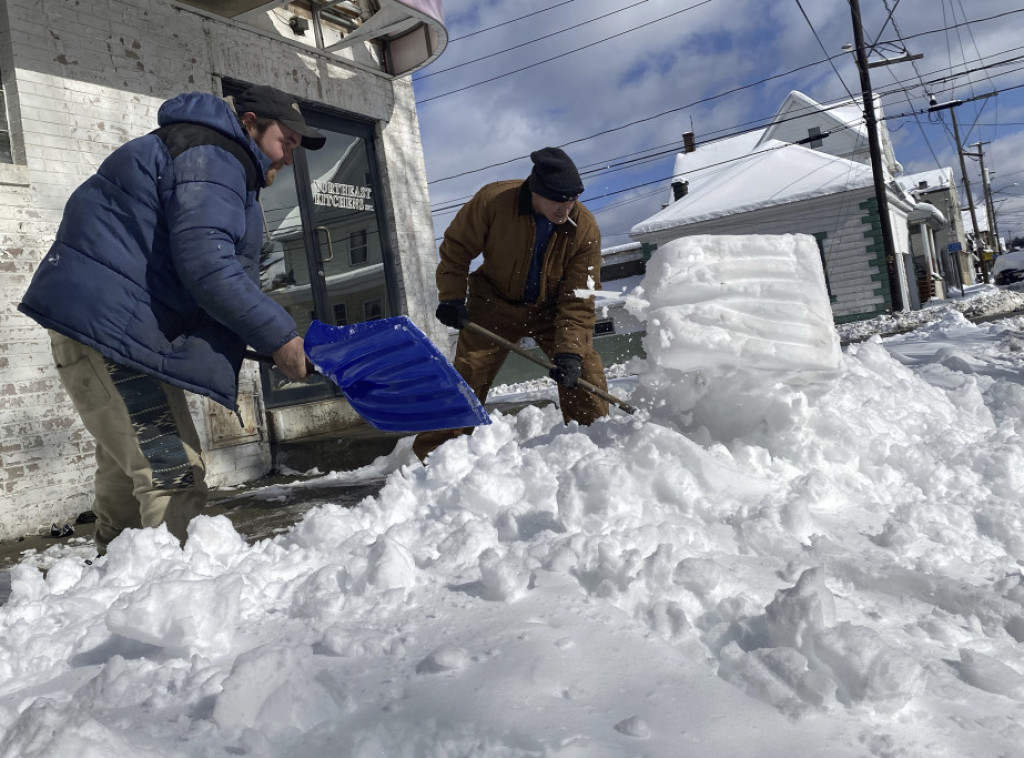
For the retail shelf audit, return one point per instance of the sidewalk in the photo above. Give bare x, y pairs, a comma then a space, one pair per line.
256, 511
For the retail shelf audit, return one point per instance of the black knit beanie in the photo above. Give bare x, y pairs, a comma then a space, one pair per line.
554, 175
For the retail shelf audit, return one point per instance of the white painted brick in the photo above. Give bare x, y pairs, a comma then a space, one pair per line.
89, 76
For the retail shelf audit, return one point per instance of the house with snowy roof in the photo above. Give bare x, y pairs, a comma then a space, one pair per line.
946, 251
807, 172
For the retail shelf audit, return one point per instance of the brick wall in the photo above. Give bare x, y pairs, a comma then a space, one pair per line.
82, 78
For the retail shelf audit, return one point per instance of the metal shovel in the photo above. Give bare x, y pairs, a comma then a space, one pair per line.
582, 383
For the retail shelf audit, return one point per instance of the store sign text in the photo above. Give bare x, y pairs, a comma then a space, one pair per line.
347, 196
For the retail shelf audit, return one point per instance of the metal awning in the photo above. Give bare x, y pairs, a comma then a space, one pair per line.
410, 33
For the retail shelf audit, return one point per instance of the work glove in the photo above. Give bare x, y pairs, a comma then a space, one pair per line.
452, 313
567, 370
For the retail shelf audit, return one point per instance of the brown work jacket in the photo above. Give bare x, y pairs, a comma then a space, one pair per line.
498, 223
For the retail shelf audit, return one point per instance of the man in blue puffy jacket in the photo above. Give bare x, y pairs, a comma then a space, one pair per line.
151, 288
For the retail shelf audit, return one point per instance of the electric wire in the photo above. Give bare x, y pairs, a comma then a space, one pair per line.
952, 77
535, 39
612, 130
547, 60
924, 85
440, 210
761, 125
562, 55
829, 58
917, 120
510, 21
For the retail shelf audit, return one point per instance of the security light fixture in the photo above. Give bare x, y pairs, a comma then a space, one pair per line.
298, 24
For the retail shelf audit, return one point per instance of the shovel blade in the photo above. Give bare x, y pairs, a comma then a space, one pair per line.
393, 376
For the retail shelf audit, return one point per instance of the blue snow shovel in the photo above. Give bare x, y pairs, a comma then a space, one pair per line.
393, 375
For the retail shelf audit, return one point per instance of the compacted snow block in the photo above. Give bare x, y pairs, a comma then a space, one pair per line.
735, 326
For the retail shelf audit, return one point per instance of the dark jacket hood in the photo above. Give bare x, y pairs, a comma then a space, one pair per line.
215, 113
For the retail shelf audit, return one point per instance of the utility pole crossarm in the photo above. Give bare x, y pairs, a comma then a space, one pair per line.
891, 61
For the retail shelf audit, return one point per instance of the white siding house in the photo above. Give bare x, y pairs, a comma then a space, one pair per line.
763, 182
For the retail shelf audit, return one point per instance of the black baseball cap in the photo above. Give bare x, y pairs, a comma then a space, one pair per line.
268, 102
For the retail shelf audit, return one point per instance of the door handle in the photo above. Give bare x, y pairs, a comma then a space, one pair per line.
330, 245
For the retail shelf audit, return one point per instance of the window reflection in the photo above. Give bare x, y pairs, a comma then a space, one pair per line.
348, 248
344, 206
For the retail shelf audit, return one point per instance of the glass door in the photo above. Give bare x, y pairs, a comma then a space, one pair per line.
325, 255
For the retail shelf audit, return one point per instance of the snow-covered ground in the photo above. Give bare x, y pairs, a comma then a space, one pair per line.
823, 557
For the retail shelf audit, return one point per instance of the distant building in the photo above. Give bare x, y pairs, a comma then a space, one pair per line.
954, 264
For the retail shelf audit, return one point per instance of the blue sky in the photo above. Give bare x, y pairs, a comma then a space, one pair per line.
617, 83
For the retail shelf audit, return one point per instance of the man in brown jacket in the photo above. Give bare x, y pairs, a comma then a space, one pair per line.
539, 247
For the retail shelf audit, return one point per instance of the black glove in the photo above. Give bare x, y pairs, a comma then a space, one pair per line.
567, 370
452, 313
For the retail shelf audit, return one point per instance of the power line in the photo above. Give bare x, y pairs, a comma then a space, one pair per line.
638, 121
706, 100
455, 204
822, 46
562, 55
510, 21
957, 26
905, 90
917, 72
535, 39
452, 205
703, 2
924, 85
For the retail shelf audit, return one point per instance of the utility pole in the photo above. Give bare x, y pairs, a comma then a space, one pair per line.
877, 167
951, 106
990, 208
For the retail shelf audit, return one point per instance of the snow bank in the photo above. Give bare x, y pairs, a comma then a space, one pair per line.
849, 585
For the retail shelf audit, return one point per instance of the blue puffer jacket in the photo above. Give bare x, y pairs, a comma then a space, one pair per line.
156, 260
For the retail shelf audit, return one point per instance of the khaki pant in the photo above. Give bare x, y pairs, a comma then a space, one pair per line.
149, 466
478, 359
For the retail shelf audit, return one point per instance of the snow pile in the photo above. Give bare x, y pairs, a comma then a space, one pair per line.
739, 331
849, 585
977, 301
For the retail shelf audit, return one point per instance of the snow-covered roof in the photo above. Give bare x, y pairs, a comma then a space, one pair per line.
842, 126
776, 174
926, 213
713, 157
927, 181
846, 115
615, 249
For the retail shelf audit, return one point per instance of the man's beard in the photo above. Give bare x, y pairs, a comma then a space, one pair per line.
271, 176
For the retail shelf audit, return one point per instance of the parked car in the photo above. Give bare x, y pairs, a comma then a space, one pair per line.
1009, 268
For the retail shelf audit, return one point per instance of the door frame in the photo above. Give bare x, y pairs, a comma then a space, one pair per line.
323, 116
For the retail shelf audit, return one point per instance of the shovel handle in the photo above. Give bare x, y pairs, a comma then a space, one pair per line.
583, 383
252, 355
